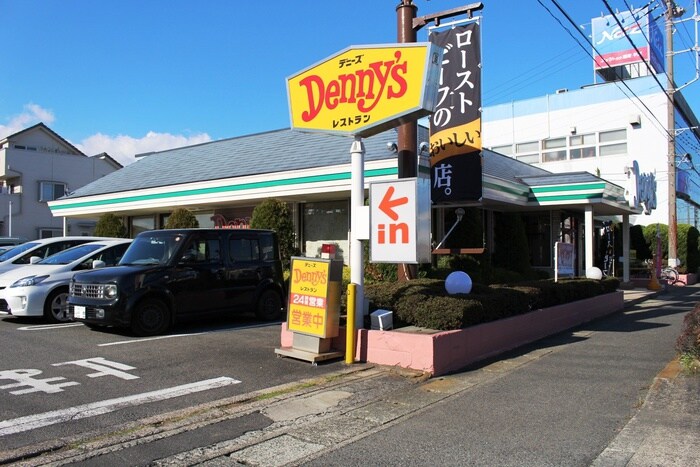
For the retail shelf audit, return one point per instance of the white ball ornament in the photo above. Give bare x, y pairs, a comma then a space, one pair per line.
594, 273
458, 282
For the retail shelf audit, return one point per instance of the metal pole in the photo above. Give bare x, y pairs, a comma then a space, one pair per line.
670, 89
9, 222
350, 331
357, 202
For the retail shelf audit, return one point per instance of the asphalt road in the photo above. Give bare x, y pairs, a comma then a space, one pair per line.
558, 402
60, 380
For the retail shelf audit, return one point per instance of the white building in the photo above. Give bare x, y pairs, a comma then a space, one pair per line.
604, 129
38, 166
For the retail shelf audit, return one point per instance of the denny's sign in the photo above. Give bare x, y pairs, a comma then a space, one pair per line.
366, 90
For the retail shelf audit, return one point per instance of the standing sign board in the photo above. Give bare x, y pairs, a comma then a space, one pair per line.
365, 90
563, 259
400, 221
314, 298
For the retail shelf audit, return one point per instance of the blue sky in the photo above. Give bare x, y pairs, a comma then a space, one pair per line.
132, 76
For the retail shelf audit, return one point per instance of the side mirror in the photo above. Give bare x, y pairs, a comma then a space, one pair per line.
35, 259
188, 258
96, 264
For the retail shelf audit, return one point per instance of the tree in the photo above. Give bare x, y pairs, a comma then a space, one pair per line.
275, 215
109, 225
181, 218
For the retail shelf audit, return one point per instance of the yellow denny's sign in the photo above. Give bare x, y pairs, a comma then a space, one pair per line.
366, 90
314, 297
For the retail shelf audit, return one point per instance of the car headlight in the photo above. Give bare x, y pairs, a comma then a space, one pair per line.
110, 291
28, 281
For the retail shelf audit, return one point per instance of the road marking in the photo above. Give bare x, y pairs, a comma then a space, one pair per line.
47, 327
31, 422
170, 336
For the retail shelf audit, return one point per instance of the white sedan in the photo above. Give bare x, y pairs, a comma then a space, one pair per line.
41, 288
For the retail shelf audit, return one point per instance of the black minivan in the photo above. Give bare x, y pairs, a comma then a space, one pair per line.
168, 275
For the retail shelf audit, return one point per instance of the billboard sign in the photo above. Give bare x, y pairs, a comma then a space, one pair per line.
365, 90
455, 126
615, 46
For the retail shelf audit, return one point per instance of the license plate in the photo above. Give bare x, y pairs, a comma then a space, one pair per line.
79, 312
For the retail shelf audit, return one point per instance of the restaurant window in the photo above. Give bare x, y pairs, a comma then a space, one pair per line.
538, 228
141, 224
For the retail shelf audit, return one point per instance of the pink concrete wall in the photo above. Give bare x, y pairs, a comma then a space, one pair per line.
444, 351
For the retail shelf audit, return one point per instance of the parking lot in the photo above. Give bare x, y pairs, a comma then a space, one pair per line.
58, 379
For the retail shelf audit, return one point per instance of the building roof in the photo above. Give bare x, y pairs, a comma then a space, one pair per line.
270, 152
294, 165
48, 130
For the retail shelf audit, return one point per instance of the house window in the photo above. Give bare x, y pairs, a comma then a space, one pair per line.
49, 233
49, 191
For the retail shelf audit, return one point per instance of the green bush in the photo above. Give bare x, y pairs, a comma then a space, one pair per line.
650, 238
109, 225
181, 218
638, 243
275, 215
688, 251
425, 303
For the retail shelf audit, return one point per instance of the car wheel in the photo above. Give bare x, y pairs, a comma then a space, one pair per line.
269, 306
151, 317
56, 306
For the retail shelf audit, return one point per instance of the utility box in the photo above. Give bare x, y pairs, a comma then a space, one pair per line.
382, 320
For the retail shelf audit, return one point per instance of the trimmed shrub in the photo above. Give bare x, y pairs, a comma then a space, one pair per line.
275, 215
425, 303
688, 248
650, 238
638, 243
109, 225
182, 218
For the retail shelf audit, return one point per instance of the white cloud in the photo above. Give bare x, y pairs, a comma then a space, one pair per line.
123, 148
31, 115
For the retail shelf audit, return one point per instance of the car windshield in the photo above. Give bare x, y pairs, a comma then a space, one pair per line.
71, 254
17, 250
156, 248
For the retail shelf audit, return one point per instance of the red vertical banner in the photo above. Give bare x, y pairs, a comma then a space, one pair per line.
455, 125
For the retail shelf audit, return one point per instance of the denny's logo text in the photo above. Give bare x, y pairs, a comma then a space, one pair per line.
364, 91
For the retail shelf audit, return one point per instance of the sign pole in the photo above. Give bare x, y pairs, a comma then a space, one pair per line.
357, 202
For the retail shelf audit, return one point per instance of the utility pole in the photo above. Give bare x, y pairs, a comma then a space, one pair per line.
670, 89
671, 12
407, 141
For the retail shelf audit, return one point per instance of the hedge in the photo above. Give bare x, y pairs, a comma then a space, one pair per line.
425, 303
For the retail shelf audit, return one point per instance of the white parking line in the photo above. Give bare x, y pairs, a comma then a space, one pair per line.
170, 336
31, 422
45, 327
